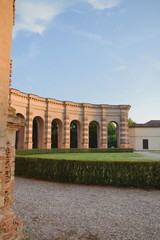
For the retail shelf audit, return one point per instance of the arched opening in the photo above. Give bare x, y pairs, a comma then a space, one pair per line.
20, 135
112, 132
93, 134
74, 134
56, 134
37, 132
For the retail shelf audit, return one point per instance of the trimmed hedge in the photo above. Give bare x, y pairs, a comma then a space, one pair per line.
71, 150
128, 174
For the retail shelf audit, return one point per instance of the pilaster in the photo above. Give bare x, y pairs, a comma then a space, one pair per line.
29, 125
47, 127
85, 128
66, 127
103, 128
124, 137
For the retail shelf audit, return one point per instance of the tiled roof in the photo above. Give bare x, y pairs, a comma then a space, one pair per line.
151, 123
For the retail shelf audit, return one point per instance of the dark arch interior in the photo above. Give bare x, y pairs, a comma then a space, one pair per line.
54, 134
73, 134
35, 133
93, 135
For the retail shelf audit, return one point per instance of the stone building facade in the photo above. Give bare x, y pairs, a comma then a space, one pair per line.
10, 225
45, 110
145, 137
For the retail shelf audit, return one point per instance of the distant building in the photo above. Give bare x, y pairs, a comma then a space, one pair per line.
145, 136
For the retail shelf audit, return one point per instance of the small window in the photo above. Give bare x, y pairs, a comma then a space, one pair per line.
145, 143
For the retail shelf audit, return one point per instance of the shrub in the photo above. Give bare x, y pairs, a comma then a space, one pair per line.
129, 174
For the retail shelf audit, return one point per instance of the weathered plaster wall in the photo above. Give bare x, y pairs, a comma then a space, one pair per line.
136, 136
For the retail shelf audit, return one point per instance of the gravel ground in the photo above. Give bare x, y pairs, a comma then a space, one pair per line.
149, 155
57, 211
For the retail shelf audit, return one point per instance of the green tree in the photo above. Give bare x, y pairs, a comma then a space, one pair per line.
112, 135
111, 128
131, 122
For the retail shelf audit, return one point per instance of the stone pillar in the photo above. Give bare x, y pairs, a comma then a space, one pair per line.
29, 125
123, 131
103, 128
85, 129
66, 127
10, 225
47, 127
25, 136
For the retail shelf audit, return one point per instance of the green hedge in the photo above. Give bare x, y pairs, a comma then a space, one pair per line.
70, 150
130, 174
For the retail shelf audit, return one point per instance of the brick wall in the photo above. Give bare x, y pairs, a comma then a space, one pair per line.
10, 225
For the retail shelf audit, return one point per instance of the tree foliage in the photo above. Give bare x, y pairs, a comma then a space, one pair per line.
112, 135
111, 128
130, 122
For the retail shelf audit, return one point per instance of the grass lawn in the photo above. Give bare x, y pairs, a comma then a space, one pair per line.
90, 156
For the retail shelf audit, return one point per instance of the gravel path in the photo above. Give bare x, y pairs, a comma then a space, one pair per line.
57, 211
149, 155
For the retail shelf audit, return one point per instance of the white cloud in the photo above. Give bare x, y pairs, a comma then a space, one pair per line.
85, 34
91, 36
35, 15
104, 4
120, 68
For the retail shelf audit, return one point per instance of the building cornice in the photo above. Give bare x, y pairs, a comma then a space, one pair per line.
69, 103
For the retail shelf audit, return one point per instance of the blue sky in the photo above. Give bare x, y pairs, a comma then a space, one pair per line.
92, 51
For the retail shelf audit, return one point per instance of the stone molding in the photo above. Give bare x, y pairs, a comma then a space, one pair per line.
34, 97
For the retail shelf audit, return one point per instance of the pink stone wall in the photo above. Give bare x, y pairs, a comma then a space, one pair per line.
31, 106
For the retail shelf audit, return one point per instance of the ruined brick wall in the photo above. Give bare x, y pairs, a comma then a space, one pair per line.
10, 225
